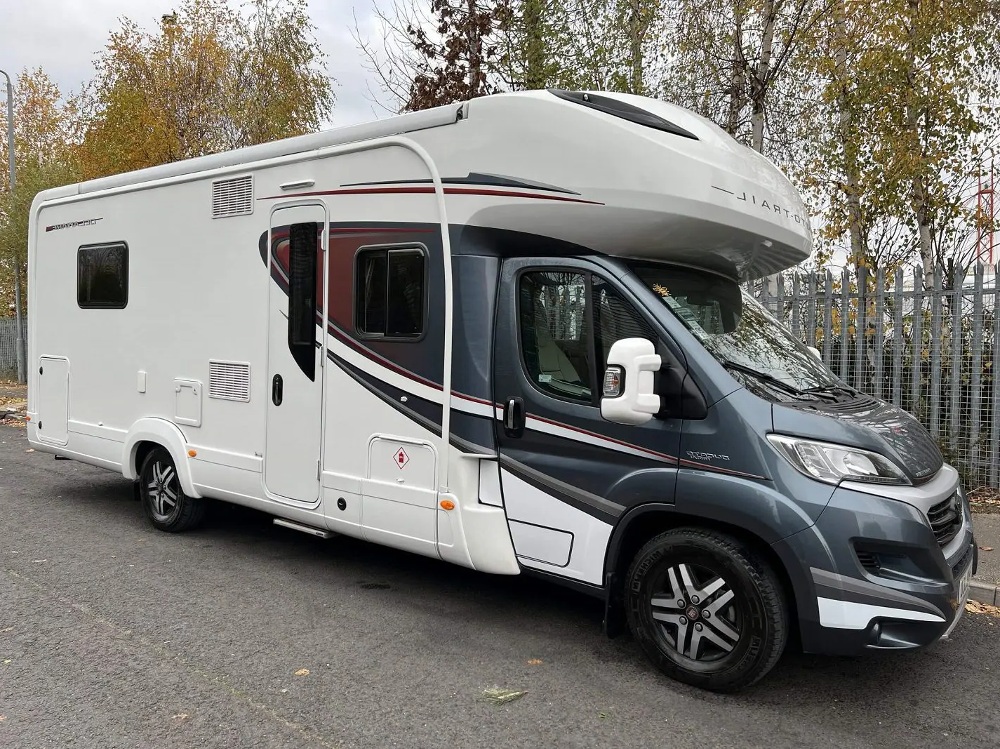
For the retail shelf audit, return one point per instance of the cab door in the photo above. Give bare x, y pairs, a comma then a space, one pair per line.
560, 460
296, 350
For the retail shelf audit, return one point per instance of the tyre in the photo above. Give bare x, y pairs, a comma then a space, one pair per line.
166, 505
705, 609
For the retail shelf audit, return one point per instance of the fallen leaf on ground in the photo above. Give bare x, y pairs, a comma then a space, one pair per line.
499, 696
986, 548
3, 718
179, 716
30, 450
302, 672
975, 607
535, 662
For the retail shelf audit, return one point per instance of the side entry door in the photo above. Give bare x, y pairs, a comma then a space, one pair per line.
561, 463
296, 348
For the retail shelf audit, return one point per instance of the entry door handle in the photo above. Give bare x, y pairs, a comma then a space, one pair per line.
513, 417
277, 390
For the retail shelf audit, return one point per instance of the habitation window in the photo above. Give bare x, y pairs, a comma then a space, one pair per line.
102, 276
390, 292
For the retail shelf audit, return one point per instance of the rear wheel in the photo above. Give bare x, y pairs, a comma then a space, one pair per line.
705, 609
165, 503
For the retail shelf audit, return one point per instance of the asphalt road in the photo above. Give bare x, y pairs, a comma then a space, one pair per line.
115, 635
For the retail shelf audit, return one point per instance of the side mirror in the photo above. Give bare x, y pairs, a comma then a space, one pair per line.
816, 352
628, 395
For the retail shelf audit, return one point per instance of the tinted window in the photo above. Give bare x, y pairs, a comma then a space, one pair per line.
102, 276
553, 312
616, 319
390, 293
303, 245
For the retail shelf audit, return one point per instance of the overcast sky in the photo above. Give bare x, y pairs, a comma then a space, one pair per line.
63, 37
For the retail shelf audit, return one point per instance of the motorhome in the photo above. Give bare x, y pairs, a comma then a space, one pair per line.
509, 334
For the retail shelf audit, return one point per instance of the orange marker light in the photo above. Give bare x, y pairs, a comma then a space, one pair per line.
447, 504
27, 418
192, 453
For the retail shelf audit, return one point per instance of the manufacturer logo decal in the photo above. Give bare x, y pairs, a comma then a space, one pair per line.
74, 224
401, 458
762, 203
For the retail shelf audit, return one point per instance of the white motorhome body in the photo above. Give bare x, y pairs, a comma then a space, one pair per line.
408, 331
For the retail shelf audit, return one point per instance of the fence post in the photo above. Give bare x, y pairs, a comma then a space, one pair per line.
957, 341
918, 338
811, 310
828, 321
936, 333
975, 376
796, 300
861, 330
995, 415
879, 343
845, 321
897, 341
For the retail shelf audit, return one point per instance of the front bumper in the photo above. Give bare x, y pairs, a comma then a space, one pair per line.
876, 576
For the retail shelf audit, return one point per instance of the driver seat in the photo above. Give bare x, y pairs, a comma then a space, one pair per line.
552, 360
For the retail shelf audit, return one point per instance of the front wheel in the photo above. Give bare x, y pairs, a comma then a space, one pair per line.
705, 609
165, 503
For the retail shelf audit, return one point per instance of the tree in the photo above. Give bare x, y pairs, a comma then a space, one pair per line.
910, 88
208, 79
44, 127
738, 62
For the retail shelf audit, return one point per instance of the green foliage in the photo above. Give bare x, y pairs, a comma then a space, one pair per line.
44, 127
208, 79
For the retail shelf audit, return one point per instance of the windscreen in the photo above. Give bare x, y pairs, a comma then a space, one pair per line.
737, 330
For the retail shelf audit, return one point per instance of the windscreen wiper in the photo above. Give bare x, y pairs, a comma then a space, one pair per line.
833, 388
773, 381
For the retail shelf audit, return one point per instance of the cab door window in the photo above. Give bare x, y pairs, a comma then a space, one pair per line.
568, 323
616, 319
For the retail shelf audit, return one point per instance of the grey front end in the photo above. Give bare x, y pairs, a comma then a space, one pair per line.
851, 494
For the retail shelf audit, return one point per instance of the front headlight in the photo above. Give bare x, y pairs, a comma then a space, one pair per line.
836, 463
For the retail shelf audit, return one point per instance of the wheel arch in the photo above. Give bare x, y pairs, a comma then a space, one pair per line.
152, 432
641, 523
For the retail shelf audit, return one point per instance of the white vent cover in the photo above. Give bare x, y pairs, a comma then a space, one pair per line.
229, 380
232, 197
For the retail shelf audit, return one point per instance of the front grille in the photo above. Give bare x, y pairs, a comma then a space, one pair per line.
869, 560
945, 519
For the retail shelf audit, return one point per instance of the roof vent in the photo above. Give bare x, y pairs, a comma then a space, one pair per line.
229, 380
625, 111
232, 197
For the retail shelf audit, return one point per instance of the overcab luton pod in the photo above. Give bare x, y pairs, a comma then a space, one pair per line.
509, 334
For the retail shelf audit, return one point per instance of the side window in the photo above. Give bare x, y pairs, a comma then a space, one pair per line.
390, 292
102, 276
554, 327
616, 319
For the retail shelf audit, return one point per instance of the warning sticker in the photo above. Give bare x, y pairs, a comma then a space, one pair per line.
401, 458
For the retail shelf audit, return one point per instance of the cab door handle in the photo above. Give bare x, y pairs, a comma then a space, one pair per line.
513, 417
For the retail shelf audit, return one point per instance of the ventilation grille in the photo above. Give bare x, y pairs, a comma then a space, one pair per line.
229, 381
232, 197
946, 519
